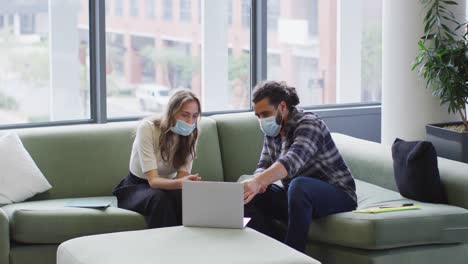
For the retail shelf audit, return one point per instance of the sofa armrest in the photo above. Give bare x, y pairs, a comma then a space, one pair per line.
4, 238
454, 175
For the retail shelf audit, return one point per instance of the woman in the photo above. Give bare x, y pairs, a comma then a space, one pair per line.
161, 159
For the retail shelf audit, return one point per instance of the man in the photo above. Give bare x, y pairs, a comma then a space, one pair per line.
299, 151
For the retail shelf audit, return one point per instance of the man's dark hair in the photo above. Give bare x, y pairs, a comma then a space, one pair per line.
276, 92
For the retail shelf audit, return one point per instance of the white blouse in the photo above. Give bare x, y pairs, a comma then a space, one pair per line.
146, 156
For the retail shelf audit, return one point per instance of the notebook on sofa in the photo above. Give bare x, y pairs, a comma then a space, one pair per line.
89, 203
385, 209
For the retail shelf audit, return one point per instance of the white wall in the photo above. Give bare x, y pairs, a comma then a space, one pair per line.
406, 105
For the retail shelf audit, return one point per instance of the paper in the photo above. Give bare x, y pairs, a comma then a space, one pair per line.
245, 177
246, 221
376, 210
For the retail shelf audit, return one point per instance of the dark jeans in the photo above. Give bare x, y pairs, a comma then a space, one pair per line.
298, 204
161, 208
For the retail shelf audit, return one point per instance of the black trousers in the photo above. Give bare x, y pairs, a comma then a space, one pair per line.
161, 208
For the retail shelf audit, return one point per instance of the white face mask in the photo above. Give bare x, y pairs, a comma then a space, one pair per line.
269, 126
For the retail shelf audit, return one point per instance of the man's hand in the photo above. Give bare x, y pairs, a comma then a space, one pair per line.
251, 188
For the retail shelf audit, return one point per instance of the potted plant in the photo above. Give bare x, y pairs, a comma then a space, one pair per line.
443, 62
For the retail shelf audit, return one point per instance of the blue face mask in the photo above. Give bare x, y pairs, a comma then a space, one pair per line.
182, 128
269, 126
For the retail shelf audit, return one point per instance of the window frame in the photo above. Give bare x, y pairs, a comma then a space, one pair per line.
97, 39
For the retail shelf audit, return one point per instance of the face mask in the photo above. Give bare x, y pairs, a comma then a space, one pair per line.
182, 128
269, 126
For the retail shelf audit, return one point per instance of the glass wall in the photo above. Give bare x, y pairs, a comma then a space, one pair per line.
150, 58
303, 49
330, 50
44, 61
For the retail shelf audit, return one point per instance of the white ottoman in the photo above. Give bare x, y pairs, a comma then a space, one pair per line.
179, 245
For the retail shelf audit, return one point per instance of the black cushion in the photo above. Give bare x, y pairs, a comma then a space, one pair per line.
416, 172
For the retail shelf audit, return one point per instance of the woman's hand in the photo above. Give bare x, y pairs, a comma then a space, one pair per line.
194, 177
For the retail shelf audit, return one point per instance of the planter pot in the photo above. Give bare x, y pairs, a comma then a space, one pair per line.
448, 143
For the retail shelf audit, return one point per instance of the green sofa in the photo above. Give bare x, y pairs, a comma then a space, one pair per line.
89, 160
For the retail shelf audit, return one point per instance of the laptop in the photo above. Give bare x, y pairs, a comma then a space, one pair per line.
213, 204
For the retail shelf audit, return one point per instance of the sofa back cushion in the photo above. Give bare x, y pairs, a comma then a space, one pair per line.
241, 142
208, 163
89, 160
416, 172
368, 161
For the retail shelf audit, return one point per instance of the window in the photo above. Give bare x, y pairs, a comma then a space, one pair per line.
371, 51
118, 8
312, 20
115, 55
144, 72
27, 23
246, 13
150, 9
134, 8
274, 64
167, 10
273, 12
11, 20
178, 71
315, 58
39, 83
229, 3
336, 61
185, 10
199, 11
107, 9
140, 45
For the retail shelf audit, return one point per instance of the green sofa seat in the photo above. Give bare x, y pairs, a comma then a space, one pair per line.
50, 222
432, 224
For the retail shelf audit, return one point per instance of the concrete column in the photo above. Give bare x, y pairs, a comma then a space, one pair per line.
407, 106
328, 44
349, 51
64, 64
215, 89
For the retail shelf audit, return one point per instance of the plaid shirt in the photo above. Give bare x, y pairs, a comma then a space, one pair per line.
307, 150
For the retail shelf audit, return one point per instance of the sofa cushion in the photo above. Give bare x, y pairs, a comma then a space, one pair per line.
20, 178
208, 162
432, 224
416, 172
50, 222
368, 161
241, 141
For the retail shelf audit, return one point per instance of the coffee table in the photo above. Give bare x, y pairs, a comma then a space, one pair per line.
179, 245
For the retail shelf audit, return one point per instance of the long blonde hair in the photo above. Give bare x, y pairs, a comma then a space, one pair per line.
186, 145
